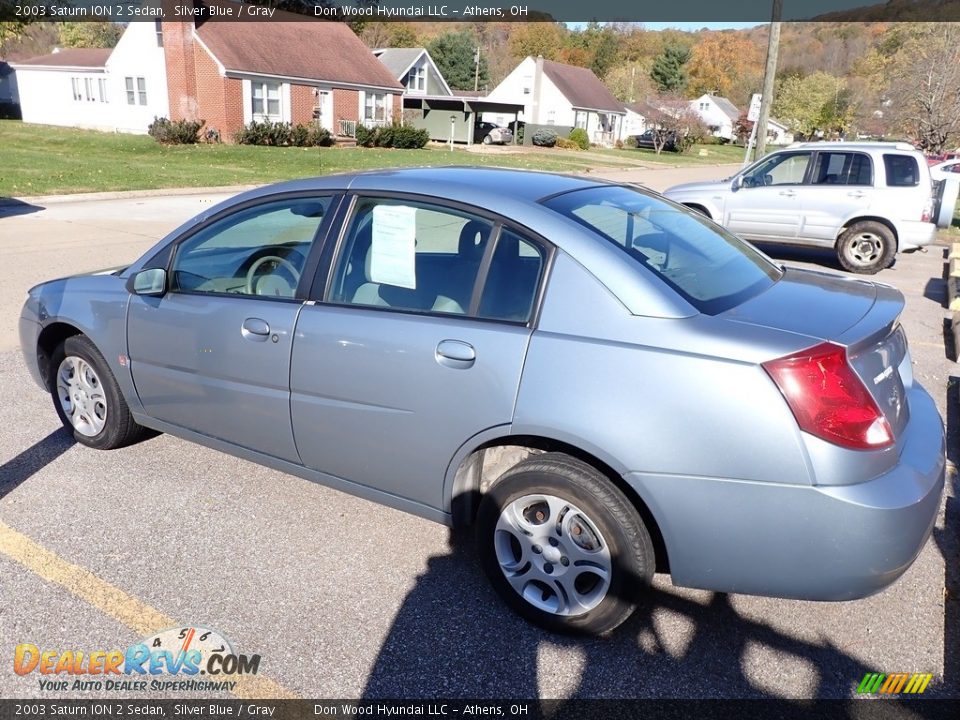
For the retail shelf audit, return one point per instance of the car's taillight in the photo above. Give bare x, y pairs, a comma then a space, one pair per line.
828, 399
927, 214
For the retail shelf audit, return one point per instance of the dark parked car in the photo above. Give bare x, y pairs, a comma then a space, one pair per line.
489, 133
645, 141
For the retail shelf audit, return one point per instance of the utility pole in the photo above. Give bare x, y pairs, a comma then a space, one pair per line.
769, 76
476, 69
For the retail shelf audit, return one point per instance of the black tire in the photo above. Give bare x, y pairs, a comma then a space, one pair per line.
607, 510
866, 248
119, 427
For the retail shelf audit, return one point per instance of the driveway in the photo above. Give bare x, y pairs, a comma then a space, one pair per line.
344, 598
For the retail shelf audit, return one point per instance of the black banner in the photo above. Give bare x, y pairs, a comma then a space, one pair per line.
741, 11
874, 709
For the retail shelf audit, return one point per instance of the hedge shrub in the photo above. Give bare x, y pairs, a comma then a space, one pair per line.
392, 136
280, 134
175, 132
544, 138
580, 137
568, 144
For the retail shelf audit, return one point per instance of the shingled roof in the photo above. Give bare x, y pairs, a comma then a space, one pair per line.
69, 58
325, 51
581, 87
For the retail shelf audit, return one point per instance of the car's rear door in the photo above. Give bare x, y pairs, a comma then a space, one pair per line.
840, 186
414, 345
212, 355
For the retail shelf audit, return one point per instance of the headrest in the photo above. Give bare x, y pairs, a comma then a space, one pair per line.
473, 239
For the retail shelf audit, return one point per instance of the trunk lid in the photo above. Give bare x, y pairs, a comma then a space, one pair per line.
861, 316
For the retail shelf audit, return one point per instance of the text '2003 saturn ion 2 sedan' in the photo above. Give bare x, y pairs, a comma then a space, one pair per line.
603, 382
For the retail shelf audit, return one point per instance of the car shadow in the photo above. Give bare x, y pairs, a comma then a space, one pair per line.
20, 468
454, 638
11, 207
819, 256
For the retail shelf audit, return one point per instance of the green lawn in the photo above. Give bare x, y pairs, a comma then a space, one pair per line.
40, 159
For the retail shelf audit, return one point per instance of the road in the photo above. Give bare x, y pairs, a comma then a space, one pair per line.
343, 598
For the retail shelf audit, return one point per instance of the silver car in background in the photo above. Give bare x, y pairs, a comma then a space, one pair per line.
866, 200
602, 382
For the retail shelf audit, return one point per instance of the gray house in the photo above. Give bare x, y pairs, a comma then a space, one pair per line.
415, 70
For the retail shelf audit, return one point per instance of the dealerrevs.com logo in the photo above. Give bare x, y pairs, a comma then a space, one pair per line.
182, 653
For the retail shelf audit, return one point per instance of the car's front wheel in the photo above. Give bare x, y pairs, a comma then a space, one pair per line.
866, 247
563, 546
87, 397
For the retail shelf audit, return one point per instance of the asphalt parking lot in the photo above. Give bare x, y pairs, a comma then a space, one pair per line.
345, 599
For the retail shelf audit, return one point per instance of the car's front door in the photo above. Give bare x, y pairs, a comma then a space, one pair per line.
839, 187
766, 205
416, 345
212, 355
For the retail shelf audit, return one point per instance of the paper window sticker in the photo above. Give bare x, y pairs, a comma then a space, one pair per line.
393, 255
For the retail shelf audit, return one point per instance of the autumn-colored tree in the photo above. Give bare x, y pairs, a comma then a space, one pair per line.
92, 34
720, 63
816, 102
630, 82
533, 39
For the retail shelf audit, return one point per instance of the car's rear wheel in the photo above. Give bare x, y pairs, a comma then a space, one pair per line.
487, 140
866, 247
563, 546
87, 397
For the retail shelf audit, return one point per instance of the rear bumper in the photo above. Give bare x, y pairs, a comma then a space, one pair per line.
912, 235
804, 542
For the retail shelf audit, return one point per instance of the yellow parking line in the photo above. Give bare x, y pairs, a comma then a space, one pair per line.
122, 607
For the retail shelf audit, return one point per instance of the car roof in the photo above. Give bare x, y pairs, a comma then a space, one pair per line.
830, 145
442, 182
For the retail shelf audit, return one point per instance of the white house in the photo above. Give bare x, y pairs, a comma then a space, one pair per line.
718, 114
635, 121
120, 89
778, 133
563, 96
415, 70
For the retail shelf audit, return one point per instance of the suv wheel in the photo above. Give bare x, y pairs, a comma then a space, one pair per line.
866, 248
563, 546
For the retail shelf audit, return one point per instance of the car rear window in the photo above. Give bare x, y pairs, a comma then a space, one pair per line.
710, 268
902, 170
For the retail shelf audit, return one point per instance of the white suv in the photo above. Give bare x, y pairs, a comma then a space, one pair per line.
868, 200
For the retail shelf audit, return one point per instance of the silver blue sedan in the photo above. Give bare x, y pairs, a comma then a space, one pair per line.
602, 382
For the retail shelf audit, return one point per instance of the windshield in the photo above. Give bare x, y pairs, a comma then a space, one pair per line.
710, 268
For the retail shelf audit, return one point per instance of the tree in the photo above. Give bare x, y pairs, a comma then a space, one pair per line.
725, 64
673, 122
606, 48
669, 72
925, 86
816, 102
630, 82
531, 39
93, 34
454, 55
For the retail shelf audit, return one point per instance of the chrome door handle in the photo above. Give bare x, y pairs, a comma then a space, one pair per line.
787, 193
456, 354
255, 329
856, 194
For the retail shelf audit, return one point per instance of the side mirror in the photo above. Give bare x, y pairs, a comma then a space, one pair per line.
737, 182
152, 282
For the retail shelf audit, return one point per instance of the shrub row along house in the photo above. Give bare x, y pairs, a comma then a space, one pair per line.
226, 73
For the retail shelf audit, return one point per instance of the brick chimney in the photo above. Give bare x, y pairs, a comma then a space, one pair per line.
178, 56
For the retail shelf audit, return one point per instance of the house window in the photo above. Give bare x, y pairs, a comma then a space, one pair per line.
580, 119
265, 99
158, 29
75, 82
136, 90
375, 107
552, 117
102, 82
88, 89
417, 79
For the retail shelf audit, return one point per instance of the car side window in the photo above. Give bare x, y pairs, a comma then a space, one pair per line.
779, 169
902, 170
408, 255
512, 281
842, 168
260, 250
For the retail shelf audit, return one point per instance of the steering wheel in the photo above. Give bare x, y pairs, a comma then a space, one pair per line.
286, 264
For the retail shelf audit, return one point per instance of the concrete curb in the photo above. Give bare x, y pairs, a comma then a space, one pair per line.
953, 297
121, 195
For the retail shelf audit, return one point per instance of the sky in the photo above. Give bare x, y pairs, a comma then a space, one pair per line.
683, 25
